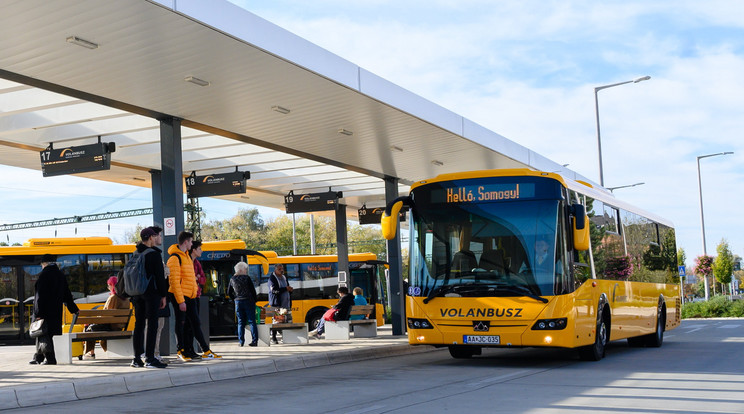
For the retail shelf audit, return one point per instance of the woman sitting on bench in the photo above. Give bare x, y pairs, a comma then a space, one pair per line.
113, 302
343, 308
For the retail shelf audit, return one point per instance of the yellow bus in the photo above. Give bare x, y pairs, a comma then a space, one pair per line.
88, 262
521, 258
314, 279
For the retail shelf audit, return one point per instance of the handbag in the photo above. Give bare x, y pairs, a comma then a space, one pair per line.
330, 315
37, 328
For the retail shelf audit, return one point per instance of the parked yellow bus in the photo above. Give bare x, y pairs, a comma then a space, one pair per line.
521, 258
88, 262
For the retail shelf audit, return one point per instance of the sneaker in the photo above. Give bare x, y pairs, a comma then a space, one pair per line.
137, 363
155, 363
193, 355
182, 356
48, 362
89, 356
208, 354
252, 344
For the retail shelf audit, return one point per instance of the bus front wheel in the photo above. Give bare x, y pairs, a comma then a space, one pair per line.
464, 352
596, 351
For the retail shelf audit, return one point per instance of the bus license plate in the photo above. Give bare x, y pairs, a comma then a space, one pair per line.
481, 339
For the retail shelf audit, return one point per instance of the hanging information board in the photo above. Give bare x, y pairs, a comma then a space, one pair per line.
75, 160
307, 203
216, 184
374, 215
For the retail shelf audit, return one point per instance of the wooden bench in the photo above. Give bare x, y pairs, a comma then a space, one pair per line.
292, 333
119, 342
363, 328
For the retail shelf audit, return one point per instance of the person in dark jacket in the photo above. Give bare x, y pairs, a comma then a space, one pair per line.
280, 294
147, 305
51, 292
244, 293
343, 309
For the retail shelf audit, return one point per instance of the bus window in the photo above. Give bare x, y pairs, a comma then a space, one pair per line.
73, 266
319, 280
100, 267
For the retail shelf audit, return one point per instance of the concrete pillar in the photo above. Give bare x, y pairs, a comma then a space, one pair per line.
397, 296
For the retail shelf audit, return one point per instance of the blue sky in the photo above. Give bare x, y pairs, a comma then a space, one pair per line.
527, 70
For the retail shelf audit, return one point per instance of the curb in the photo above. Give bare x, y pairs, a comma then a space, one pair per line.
81, 389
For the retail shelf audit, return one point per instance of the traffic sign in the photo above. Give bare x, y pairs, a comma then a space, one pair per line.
681, 271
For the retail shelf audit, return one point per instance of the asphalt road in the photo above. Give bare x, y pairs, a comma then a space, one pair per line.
699, 369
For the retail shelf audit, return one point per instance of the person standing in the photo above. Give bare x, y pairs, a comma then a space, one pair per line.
147, 305
51, 292
343, 308
241, 289
280, 293
188, 334
182, 295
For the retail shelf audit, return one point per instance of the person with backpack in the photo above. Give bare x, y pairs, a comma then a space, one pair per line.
148, 263
182, 295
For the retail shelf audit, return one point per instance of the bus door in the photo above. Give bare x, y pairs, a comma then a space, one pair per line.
218, 269
17, 281
364, 276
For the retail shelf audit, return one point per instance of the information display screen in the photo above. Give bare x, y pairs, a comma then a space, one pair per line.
216, 184
307, 203
374, 215
75, 160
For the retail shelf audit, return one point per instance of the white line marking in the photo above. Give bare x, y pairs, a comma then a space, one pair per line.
728, 326
365, 410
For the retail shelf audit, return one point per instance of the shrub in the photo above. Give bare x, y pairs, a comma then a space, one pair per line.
718, 306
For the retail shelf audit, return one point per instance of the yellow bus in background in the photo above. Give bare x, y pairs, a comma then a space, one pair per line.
518, 258
88, 262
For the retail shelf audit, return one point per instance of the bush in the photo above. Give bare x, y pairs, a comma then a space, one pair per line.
718, 306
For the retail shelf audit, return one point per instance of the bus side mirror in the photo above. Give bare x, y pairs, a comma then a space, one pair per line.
389, 219
580, 227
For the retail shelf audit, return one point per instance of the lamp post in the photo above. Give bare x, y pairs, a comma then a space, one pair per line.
624, 186
702, 217
596, 111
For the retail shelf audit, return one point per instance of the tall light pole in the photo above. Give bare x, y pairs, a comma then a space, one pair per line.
624, 186
596, 111
702, 217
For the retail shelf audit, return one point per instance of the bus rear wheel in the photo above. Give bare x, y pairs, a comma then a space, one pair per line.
313, 318
464, 352
656, 339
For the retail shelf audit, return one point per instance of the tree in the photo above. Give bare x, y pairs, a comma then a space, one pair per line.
723, 265
681, 257
704, 266
133, 236
246, 225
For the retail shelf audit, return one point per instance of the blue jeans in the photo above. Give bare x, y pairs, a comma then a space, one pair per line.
245, 310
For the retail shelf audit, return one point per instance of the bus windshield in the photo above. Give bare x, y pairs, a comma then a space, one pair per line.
475, 249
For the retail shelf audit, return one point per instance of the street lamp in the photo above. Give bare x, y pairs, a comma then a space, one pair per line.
624, 186
596, 111
702, 218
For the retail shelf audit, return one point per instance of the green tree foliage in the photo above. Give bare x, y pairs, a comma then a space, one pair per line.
723, 265
247, 225
681, 257
133, 236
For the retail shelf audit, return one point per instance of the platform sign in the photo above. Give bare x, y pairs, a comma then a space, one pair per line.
216, 184
374, 215
307, 203
75, 160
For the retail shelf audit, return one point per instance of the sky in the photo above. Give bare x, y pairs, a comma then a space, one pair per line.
527, 70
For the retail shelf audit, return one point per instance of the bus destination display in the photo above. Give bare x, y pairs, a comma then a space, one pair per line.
306, 203
483, 193
75, 160
216, 184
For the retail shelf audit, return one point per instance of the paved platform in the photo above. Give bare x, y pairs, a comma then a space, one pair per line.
24, 385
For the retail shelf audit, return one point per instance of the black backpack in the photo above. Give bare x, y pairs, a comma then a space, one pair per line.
133, 279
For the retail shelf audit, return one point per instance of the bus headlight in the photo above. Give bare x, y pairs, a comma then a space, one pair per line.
414, 323
550, 324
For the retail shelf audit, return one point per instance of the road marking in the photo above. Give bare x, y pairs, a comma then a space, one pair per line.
728, 326
366, 410
734, 339
502, 377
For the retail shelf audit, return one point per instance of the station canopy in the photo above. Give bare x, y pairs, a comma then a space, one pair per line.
250, 95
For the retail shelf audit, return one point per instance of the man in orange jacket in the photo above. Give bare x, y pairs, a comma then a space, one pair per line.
182, 294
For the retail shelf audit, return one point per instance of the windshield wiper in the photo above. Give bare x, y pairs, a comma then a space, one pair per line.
441, 291
523, 291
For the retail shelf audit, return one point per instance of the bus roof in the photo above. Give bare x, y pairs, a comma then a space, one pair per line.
97, 245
